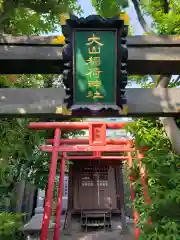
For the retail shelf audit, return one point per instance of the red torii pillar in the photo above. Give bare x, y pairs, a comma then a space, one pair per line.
59, 201
143, 174
50, 186
96, 129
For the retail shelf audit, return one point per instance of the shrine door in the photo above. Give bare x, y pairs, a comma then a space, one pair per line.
97, 188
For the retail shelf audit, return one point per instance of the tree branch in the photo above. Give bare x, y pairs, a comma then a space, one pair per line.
163, 81
141, 19
169, 123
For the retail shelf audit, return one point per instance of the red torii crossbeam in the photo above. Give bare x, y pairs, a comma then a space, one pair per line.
74, 125
88, 148
86, 141
97, 143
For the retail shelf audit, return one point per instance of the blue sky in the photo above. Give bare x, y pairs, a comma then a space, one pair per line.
88, 10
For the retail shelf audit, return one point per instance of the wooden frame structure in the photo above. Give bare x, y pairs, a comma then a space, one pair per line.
48, 102
97, 143
34, 54
29, 55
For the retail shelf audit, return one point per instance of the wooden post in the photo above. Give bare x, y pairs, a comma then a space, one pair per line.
122, 201
144, 181
70, 200
136, 214
59, 201
50, 187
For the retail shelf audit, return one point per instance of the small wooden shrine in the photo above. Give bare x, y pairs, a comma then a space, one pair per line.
95, 192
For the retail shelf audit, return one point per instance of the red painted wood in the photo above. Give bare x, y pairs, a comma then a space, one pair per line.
70, 141
95, 158
97, 154
87, 148
73, 125
86, 141
97, 134
143, 178
144, 148
50, 187
144, 182
97, 143
133, 195
59, 201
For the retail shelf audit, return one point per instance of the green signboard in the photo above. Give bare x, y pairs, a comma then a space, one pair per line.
95, 66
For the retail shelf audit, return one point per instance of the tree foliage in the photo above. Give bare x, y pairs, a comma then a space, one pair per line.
160, 161
109, 8
33, 16
10, 226
163, 179
19, 146
20, 17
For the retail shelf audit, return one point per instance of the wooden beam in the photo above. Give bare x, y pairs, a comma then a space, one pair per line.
86, 141
153, 40
45, 102
88, 148
147, 55
74, 126
139, 40
93, 158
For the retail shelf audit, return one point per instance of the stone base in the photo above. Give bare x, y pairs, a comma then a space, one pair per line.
33, 228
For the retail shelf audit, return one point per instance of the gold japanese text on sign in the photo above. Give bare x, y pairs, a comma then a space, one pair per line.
93, 75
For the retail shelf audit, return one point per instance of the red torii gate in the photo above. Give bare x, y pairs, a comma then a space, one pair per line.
97, 143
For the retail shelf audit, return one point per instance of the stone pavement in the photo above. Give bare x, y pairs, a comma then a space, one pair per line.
99, 235
34, 227
115, 234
